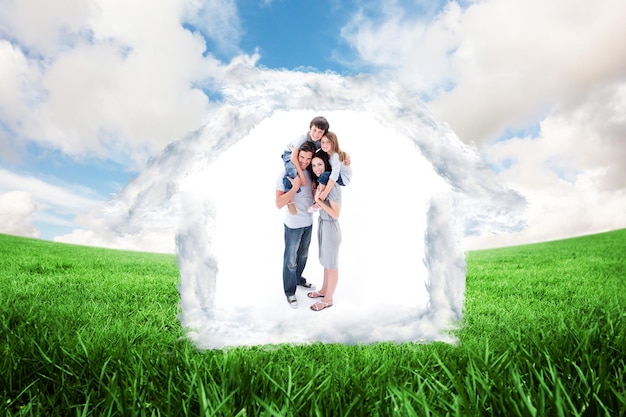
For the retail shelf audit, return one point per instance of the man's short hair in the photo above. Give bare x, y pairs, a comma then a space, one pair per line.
307, 147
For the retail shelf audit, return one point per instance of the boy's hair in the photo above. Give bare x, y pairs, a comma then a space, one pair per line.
335, 142
307, 147
321, 123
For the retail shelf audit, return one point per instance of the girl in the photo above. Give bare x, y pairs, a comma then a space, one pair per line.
340, 173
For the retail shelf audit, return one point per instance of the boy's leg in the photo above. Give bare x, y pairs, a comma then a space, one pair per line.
290, 170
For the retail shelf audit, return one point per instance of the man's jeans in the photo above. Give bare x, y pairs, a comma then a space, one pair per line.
297, 243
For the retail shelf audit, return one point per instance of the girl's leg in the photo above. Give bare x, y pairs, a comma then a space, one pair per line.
324, 177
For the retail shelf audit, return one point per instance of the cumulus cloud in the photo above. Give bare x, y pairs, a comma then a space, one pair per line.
521, 56
548, 77
16, 212
100, 79
29, 199
571, 172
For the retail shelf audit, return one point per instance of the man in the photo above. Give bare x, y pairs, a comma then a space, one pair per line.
298, 227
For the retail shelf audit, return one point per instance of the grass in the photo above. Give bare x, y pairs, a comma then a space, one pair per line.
93, 332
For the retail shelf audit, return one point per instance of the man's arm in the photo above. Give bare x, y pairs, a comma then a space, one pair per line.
284, 197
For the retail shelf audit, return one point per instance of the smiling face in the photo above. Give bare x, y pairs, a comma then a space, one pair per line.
318, 166
304, 158
326, 145
316, 133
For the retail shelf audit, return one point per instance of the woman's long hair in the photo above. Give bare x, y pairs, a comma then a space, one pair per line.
324, 157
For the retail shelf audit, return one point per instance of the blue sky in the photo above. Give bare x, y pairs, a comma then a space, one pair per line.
286, 34
92, 91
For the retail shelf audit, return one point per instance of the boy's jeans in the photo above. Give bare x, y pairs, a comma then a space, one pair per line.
290, 170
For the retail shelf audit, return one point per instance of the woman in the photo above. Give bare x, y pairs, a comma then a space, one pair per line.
328, 233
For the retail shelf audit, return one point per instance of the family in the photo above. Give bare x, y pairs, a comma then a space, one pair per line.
314, 165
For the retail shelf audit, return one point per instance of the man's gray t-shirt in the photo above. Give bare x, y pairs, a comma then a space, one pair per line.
303, 200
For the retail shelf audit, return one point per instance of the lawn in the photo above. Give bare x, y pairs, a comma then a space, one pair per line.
93, 332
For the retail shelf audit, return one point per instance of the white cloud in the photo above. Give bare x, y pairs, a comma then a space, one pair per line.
499, 64
29, 199
572, 173
64, 196
217, 20
101, 79
502, 66
16, 212
43, 27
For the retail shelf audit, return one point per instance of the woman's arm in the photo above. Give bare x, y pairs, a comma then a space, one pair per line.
335, 168
333, 209
326, 190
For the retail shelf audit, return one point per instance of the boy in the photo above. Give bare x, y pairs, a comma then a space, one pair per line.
317, 128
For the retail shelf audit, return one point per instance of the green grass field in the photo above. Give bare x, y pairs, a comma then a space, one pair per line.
94, 332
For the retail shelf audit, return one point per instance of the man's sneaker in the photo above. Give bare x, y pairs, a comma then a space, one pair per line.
293, 301
307, 285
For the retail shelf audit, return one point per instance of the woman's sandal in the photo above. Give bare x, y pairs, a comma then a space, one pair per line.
315, 294
320, 305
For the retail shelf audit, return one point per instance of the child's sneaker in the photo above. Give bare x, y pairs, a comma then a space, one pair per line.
313, 209
292, 208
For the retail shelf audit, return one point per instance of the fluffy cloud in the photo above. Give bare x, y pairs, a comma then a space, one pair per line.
100, 79
499, 64
27, 200
548, 77
105, 79
571, 172
16, 212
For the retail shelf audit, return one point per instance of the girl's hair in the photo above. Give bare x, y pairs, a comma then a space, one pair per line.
335, 144
324, 157
321, 123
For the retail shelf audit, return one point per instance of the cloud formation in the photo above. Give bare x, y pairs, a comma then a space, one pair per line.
28, 199
539, 87
513, 78
177, 190
16, 211
94, 78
